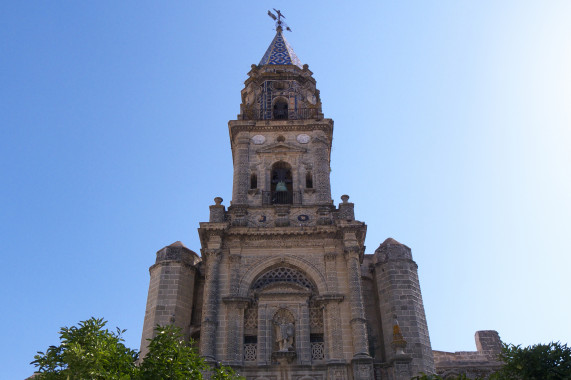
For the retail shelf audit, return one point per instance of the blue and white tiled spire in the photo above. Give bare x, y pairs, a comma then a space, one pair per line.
280, 52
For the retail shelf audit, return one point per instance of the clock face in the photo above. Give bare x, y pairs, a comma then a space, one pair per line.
303, 138
258, 139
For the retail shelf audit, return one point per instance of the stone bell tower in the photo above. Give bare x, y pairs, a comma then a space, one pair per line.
283, 288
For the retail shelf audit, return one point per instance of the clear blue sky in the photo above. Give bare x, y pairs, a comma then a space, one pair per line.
452, 135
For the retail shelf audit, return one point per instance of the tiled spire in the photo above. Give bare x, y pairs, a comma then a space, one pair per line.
280, 52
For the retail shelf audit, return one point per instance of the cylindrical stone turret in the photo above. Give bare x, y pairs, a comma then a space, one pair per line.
171, 290
399, 297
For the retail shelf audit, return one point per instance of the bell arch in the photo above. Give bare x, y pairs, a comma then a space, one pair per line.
280, 109
257, 270
281, 185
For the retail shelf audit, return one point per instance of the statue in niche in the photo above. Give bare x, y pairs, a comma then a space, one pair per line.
284, 330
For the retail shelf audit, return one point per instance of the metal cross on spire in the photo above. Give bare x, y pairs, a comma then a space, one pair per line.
278, 20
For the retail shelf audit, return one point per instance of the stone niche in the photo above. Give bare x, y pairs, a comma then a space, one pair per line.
283, 324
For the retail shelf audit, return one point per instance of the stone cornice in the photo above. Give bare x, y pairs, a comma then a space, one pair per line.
330, 297
281, 231
213, 226
169, 262
242, 302
237, 126
381, 263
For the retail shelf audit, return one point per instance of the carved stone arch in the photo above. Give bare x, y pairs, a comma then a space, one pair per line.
265, 265
280, 108
280, 98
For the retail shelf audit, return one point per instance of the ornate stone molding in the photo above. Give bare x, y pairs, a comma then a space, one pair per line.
330, 256
358, 320
237, 302
211, 254
329, 298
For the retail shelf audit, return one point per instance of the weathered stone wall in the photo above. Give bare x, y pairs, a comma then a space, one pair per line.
473, 364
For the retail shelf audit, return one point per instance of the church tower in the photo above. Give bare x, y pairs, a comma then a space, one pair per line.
283, 288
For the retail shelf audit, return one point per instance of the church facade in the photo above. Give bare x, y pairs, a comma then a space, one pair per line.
283, 288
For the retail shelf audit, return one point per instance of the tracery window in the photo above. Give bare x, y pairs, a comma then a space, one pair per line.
282, 274
250, 348
317, 347
251, 320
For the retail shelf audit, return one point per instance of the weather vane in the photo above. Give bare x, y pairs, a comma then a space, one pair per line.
278, 19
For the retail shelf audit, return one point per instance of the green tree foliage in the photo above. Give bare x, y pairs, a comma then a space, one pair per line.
538, 362
90, 352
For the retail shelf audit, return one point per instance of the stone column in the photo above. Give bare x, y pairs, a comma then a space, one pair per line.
241, 170
321, 183
358, 321
332, 331
235, 330
212, 259
264, 336
331, 318
234, 274
303, 344
331, 270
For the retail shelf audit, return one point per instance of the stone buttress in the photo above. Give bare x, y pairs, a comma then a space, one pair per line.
171, 291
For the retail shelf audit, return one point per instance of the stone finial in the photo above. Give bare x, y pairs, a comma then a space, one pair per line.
217, 211
346, 209
398, 343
